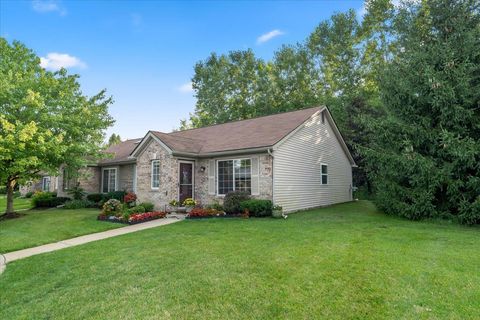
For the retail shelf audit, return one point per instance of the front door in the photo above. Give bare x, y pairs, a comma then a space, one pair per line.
185, 181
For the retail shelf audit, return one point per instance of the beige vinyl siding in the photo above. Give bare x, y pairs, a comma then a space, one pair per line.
296, 168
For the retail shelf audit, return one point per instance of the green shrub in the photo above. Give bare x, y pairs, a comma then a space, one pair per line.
136, 209
470, 212
40, 195
95, 197
16, 194
29, 194
3, 190
77, 193
79, 204
257, 208
51, 202
118, 195
215, 205
112, 207
232, 201
148, 206
126, 215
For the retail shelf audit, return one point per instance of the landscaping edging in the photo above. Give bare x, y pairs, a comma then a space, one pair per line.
134, 218
128, 222
3, 263
210, 217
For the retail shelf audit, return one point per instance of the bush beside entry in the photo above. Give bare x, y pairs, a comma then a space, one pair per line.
233, 200
257, 208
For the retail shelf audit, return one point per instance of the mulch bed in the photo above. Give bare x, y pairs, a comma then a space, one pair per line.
127, 222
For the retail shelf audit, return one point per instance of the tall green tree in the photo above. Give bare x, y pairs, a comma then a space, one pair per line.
226, 88
114, 139
45, 120
425, 157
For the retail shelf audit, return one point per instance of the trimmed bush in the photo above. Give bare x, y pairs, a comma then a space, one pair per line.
148, 206
215, 205
118, 195
257, 208
136, 209
29, 194
3, 190
16, 194
95, 197
232, 201
40, 195
112, 207
51, 202
79, 204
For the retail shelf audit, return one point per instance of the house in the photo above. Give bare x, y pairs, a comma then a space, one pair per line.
297, 159
45, 182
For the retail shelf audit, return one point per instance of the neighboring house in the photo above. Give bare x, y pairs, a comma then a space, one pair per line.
44, 183
296, 159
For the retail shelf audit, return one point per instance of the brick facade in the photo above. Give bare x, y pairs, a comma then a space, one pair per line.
168, 188
169, 166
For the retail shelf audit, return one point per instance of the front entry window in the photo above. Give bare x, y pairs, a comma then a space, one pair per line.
109, 180
234, 175
186, 181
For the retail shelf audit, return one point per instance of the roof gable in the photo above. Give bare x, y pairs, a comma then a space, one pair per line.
245, 134
249, 134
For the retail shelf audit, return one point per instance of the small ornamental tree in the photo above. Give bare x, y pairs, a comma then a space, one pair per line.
45, 120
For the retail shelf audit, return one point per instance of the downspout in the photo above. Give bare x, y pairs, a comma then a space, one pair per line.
273, 186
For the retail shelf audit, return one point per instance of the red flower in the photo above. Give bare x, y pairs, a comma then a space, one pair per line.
130, 197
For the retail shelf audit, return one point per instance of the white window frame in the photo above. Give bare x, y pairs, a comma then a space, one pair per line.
103, 179
217, 175
323, 174
151, 174
43, 183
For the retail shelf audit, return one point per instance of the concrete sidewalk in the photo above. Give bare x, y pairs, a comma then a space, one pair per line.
20, 254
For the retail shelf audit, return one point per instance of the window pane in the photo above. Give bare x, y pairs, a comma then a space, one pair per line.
65, 180
111, 182
324, 169
324, 179
155, 174
243, 171
225, 176
105, 181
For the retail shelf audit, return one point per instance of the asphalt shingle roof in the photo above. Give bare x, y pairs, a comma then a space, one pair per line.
244, 134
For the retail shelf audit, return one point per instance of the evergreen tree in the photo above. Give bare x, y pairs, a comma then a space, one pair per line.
425, 158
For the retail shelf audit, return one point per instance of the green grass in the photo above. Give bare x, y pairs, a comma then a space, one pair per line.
343, 262
18, 203
39, 227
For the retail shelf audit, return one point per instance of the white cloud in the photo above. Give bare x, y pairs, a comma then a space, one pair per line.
269, 36
56, 61
186, 88
44, 6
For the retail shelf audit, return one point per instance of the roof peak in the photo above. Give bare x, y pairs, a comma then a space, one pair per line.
235, 121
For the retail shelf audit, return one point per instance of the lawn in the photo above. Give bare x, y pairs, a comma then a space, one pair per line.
18, 203
44, 226
343, 262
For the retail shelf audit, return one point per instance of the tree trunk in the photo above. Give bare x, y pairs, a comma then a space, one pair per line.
10, 185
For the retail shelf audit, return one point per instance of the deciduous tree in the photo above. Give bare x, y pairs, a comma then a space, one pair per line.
45, 120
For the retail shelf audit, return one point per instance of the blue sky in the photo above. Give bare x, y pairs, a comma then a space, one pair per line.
143, 52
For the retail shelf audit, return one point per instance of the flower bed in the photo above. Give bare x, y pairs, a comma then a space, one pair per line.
199, 213
134, 218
